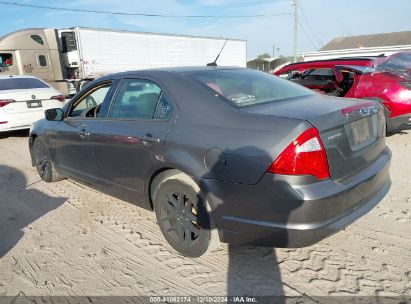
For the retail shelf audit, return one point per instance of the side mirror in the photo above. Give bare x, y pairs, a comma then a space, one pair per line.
54, 114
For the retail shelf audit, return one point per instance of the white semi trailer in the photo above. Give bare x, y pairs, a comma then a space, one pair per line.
69, 58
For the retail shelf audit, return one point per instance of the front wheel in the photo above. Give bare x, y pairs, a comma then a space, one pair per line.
182, 216
43, 163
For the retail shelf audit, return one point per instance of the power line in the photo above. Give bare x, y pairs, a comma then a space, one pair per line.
309, 27
140, 14
306, 35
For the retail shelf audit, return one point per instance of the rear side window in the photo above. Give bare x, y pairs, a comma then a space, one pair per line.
22, 83
136, 99
164, 108
244, 87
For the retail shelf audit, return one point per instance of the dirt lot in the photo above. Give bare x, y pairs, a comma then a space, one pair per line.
66, 239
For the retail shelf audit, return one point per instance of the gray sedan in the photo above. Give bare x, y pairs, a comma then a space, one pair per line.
221, 154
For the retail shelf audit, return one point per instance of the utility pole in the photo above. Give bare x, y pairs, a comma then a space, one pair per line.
294, 4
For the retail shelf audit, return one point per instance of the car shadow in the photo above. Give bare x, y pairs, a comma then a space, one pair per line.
18, 133
252, 270
19, 207
389, 134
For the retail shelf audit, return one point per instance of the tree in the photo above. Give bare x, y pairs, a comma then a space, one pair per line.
265, 55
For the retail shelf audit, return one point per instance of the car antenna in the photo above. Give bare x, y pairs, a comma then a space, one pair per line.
214, 63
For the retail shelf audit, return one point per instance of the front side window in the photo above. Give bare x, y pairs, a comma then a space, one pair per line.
136, 99
243, 87
319, 72
6, 59
91, 99
288, 74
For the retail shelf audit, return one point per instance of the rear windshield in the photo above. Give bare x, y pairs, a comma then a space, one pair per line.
244, 87
21, 83
398, 64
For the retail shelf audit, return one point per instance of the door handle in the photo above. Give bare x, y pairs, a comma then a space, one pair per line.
83, 133
148, 140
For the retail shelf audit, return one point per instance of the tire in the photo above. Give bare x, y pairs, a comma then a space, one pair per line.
82, 84
182, 215
43, 163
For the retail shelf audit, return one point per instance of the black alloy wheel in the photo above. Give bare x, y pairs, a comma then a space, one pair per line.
179, 216
43, 163
182, 218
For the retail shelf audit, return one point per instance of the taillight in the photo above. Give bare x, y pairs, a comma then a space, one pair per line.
5, 102
59, 98
303, 156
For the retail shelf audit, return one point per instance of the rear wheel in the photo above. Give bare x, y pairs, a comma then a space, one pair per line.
43, 163
182, 216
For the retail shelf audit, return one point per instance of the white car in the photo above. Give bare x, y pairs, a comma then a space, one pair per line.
23, 100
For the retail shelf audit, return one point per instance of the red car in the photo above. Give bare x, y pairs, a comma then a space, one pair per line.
384, 79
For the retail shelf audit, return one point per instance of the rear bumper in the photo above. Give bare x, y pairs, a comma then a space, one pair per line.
398, 123
10, 122
284, 211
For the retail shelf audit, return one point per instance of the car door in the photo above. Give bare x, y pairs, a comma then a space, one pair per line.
129, 141
71, 142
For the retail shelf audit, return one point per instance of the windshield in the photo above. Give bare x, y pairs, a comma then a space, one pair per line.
243, 87
397, 64
21, 84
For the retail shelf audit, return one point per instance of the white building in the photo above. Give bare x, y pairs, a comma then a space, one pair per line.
364, 45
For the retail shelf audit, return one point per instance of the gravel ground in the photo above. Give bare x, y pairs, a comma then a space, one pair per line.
67, 239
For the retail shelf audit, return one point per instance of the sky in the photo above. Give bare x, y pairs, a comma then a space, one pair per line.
320, 20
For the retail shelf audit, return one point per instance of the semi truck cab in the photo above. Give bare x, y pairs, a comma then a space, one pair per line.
33, 52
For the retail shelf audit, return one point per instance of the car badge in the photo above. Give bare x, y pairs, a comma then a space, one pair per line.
368, 111
33, 96
365, 112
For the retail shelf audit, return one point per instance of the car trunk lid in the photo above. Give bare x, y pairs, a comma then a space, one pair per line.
23, 101
352, 131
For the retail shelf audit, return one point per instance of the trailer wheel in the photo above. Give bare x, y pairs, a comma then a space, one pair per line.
81, 84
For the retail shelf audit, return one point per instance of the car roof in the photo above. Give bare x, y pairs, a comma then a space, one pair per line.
329, 63
333, 62
175, 70
341, 59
